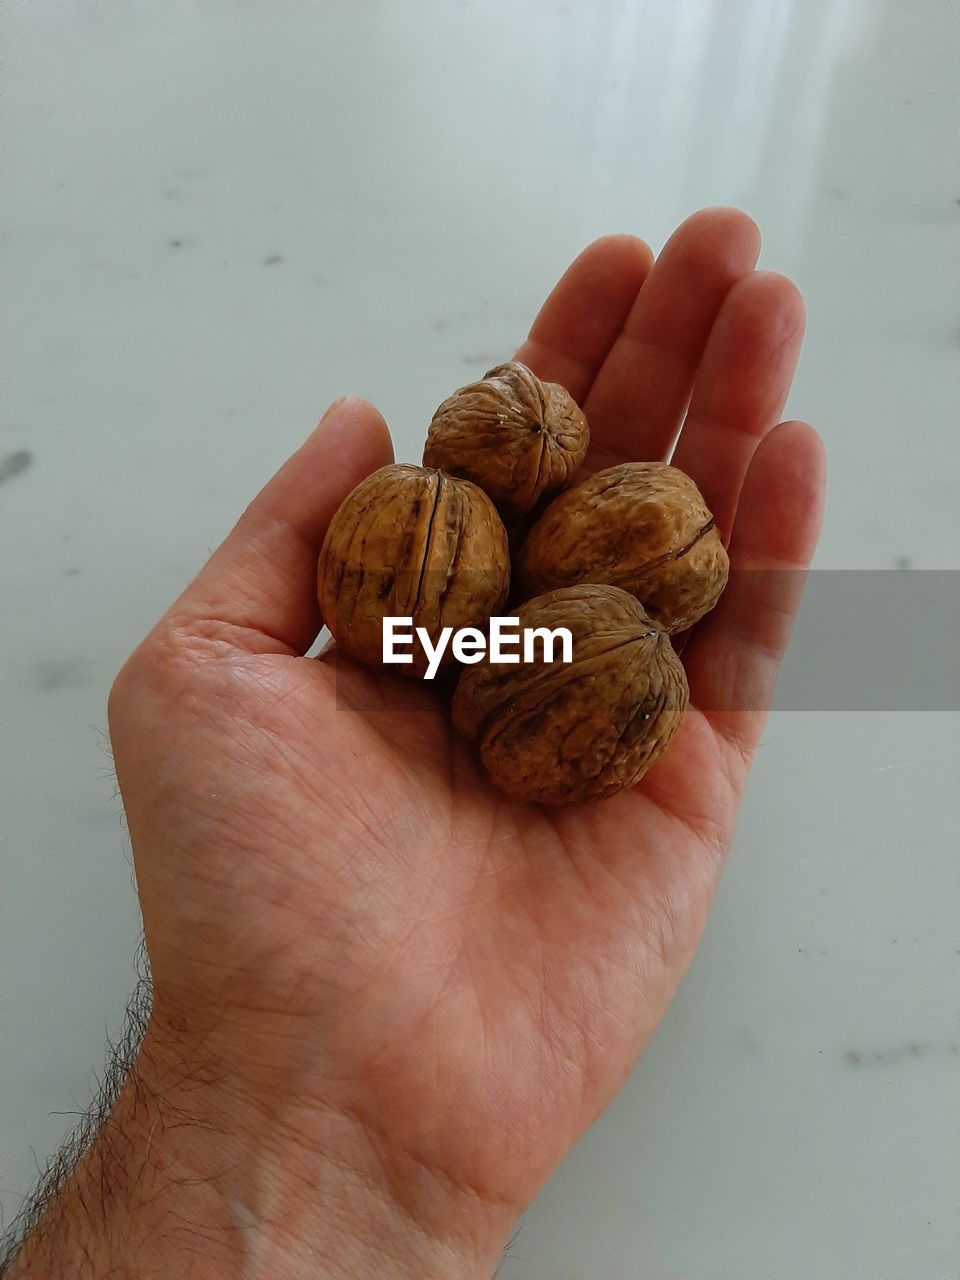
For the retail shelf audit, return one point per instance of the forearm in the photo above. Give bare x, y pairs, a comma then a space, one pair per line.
128, 1208
179, 1182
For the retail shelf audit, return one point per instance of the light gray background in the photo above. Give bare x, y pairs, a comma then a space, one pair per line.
222, 215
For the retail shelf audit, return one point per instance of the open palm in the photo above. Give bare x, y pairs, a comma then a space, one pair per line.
334, 895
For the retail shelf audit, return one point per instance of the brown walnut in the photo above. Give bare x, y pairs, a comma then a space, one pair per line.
642, 526
411, 542
555, 733
516, 437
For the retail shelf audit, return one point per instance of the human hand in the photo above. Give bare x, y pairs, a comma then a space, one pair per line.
396, 996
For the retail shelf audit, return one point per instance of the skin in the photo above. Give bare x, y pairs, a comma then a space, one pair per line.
387, 999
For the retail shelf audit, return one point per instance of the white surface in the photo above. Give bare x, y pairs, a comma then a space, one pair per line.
219, 217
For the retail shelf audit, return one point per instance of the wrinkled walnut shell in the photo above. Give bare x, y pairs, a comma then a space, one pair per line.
411, 542
558, 733
642, 526
516, 437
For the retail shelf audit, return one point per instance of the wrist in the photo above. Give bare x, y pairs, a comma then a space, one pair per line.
307, 1190
189, 1177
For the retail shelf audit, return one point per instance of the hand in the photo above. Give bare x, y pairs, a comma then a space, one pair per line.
405, 995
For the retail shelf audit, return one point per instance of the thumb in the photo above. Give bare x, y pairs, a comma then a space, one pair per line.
258, 589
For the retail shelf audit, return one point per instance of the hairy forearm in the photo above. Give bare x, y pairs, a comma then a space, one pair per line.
128, 1208
180, 1180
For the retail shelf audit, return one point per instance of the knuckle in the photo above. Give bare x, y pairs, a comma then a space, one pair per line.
150, 669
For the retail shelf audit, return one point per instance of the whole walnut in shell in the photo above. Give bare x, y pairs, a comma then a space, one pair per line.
516, 437
642, 526
556, 733
411, 542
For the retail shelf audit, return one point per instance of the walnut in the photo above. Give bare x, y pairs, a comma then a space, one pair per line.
411, 542
558, 733
642, 526
516, 437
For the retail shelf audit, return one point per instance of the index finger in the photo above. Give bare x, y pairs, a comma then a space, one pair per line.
586, 310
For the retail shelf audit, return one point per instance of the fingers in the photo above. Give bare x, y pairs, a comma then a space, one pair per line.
734, 655
258, 590
741, 387
585, 312
639, 395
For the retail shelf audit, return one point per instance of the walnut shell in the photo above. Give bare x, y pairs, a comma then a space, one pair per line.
516, 437
556, 733
642, 526
411, 542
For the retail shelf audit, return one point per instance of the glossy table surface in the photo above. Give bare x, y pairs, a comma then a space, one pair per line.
219, 217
